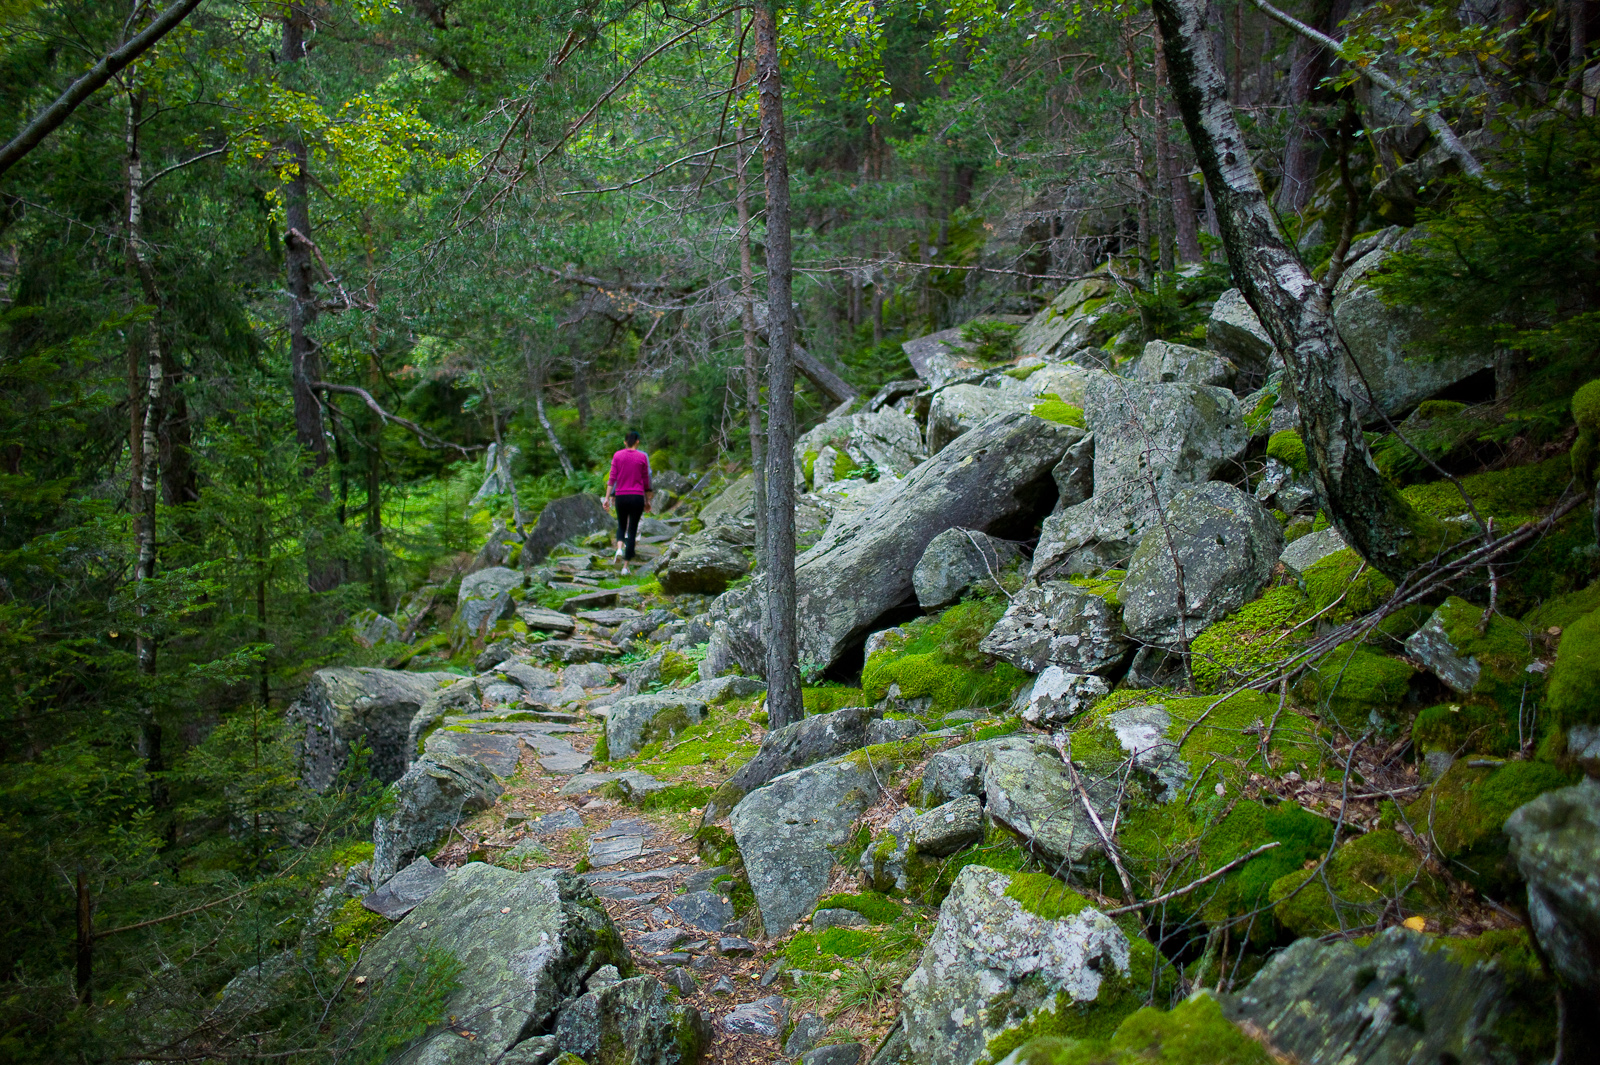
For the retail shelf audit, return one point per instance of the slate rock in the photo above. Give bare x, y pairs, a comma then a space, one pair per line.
1432, 646
667, 939
600, 599
736, 502
1150, 442
551, 823
959, 408
946, 829
543, 619
484, 598
526, 943
705, 879
609, 617
681, 981
497, 753
567, 518
958, 771
723, 986
888, 439
765, 1017
632, 1022
343, 705
837, 1054
735, 947
587, 675
893, 731
1285, 488
1301, 554
435, 794
789, 832
703, 564
1397, 1000
1226, 545
960, 561
1057, 696
635, 784
1555, 841
371, 628
717, 690
407, 889
709, 911
990, 964
808, 1028
1164, 362
996, 474
806, 742
638, 720
1234, 330
459, 695
1058, 623
614, 850
1027, 788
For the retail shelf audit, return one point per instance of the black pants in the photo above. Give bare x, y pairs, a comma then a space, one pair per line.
629, 510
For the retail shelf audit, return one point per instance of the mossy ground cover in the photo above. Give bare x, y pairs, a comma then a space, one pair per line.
1289, 449
1352, 682
1512, 496
1250, 639
828, 698
939, 658
1574, 689
877, 908
1377, 873
1466, 809
1342, 586
1529, 1023
721, 743
1194, 1032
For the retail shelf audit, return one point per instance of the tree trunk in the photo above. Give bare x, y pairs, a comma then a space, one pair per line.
783, 671
752, 376
322, 573
1185, 222
1366, 509
1302, 152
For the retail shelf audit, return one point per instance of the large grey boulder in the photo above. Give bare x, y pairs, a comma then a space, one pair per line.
497, 752
1226, 545
484, 599
461, 695
632, 1022
736, 503
991, 965
790, 830
1056, 695
344, 704
567, 518
1057, 623
1165, 362
806, 742
959, 561
862, 567
1150, 442
956, 409
1064, 324
1028, 788
637, 720
1398, 1000
1234, 331
1381, 341
1555, 841
958, 771
525, 943
888, 439
435, 794
705, 563
1300, 555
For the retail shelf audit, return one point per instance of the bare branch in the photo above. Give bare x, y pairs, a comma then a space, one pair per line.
425, 438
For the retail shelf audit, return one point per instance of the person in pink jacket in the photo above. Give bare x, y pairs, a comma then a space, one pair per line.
629, 488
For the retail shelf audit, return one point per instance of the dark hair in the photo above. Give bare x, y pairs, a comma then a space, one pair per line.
632, 438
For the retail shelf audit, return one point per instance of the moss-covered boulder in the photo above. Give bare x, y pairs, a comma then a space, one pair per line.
1373, 875
1008, 962
639, 720
1473, 658
1194, 1032
940, 663
1342, 586
806, 742
1574, 692
1356, 686
632, 1022
1073, 624
1467, 808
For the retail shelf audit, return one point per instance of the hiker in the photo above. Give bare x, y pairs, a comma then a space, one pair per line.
629, 487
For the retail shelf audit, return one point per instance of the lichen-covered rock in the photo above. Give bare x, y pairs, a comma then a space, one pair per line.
1300, 555
1226, 546
632, 1022
1058, 623
883, 863
1453, 649
561, 519
991, 964
957, 409
1234, 330
526, 943
789, 832
1028, 788
496, 752
958, 771
946, 829
1142, 732
737, 503
343, 705
1056, 330
888, 439
861, 569
1395, 1001
806, 742
1285, 488
1056, 696
959, 561
1555, 841
705, 564
1164, 363
406, 890
484, 598
1150, 442
637, 720
434, 795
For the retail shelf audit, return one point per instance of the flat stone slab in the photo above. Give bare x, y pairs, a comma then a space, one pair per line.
516, 728
543, 619
497, 753
613, 851
633, 781
566, 764
560, 821
643, 876
631, 826
706, 910
764, 1017
661, 942
610, 618
403, 891
595, 600
569, 652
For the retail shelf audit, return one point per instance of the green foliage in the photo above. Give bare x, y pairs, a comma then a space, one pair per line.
991, 341
677, 667
1289, 449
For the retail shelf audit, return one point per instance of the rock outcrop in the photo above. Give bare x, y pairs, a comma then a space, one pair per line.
435, 794
959, 561
1555, 841
344, 704
1059, 623
637, 720
567, 518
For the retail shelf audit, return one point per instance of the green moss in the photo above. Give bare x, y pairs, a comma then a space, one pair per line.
1194, 1032
1259, 418
353, 927
810, 951
1439, 408
808, 466
716, 846
952, 686
1059, 411
842, 465
676, 667
931, 881
1022, 373
1361, 880
1514, 494
1301, 837
1107, 585
677, 797
1467, 808
602, 752
1352, 683
995, 731
828, 699
1586, 412
1574, 689
1343, 573
876, 908
1471, 724
1287, 447
1250, 639
1044, 896
1562, 610
1295, 529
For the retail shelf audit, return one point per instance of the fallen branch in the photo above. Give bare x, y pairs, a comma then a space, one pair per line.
1193, 883
1063, 744
423, 436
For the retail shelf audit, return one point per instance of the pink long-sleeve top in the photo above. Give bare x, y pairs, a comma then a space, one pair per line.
630, 473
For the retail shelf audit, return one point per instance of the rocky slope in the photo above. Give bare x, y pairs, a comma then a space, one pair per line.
1058, 798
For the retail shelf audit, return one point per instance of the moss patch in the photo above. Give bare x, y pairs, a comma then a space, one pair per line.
1107, 585
939, 658
1361, 880
1055, 409
828, 699
879, 909
1562, 610
1344, 574
1250, 639
1044, 896
1574, 689
1476, 725
811, 951
1352, 682
1287, 447
676, 667
1514, 495
1467, 808
1529, 1024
